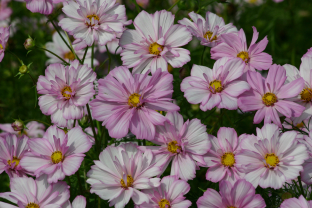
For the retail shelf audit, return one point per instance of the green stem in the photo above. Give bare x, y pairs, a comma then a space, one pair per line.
99, 202
72, 49
110, 59
301, 187
84, 55
92, 124
57, 30
32, 79
65, 62
202, 58
174, 5
92, 56
37, 121
79, 182
21, 62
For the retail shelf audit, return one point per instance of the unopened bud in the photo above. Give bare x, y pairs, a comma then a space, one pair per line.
23, 69
18, 125
29, 43
84, 121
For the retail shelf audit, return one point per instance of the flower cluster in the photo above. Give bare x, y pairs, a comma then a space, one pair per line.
126, 134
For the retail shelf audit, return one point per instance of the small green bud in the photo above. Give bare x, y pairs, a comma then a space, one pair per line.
23, 69
286, 195
18, 125
29, 43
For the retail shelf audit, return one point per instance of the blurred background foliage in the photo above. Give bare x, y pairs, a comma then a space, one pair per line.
286, 24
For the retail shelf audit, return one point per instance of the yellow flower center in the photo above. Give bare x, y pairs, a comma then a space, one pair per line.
269, 99
93, 16
244, 56
173, 147
65, 92
155, 48
208, 36
253, 1
15, 160
69, 55
129, 182
228, 159
1, 47
164, 203
300, 125
134, 100
216, 85
32, 205
57, 157
306, 94
271, 159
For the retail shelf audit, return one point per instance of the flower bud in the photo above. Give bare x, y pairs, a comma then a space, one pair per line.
18, 125
29, 43
84, 121
23, 69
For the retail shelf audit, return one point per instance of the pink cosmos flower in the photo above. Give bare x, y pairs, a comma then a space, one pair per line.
296, 203
33, 130
130, 102
121, 172
65, 91
215, 87
221, 157
170, 193
154, 43
30, 193
308, 53
58, 154
79, 202
271, 158
240, 195
235, 45
5, 11
306, 174
94, 21
59, 48
12, 150
209, 30
304, 97
182, 143
4, 37
268, 96
40, 6
303, 126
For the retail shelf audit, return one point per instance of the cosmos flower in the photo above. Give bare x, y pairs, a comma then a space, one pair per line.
271, 158
218, 87
240, 195
30, 193
94, 21
301, 202
121, 172
33, 130
269, 96
209, 30
40, 6
12, 150
65, 91
59, 48
154, 43
235, 45
79, 202
5, 11
4, 37
304, 97
127, 101
221, 157
182, 143
170, 193
306, 174
57, 154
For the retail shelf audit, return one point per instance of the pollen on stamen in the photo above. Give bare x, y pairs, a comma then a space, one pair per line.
134, 100
129, 182
228, 159
15, 160
269, 99
164, 203
306, 94
173, 147
271, 159
244, 56
32, 205
216, 86
66, 92
69, 55
155, 49
1, 47
57, 157
208, 36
